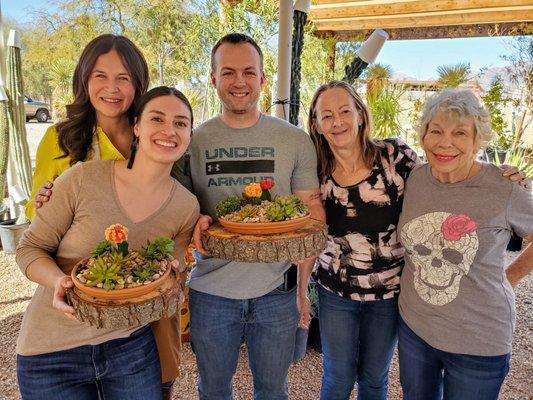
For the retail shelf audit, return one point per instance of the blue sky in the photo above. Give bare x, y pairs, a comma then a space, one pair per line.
416, 58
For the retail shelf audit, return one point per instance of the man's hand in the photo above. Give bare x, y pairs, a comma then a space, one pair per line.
44, 194
304, 308
59, 300
515, 175
201, 225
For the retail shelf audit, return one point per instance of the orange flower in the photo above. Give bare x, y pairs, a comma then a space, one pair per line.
253, 190
116, 233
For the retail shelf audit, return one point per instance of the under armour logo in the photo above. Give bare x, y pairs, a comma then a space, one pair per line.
211, 166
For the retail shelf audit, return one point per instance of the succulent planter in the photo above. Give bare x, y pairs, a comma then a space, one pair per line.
307, 241
117, 294
119, 288
264, 228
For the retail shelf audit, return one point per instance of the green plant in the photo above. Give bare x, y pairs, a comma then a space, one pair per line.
101, 248
494, 100
231, 204
453, 75
285, 207
104, 271
386, 109
160, 249
520, 158
146, 271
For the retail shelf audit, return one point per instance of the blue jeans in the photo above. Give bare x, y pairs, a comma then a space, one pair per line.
427, 373
119, 369
267, 324
358, 341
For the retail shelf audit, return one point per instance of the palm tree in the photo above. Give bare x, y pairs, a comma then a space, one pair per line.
377, 78
453, 75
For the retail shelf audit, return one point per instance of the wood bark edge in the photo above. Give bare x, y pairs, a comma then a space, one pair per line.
119, 314
285, 247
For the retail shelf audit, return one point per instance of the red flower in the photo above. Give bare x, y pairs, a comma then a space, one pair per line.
456, 226
267, 184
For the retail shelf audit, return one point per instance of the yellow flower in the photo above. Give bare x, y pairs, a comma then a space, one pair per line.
253, 190
116, 233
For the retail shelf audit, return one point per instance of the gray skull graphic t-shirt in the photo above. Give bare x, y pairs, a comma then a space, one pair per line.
454, 291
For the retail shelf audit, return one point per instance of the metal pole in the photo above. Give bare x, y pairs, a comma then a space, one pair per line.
284, 59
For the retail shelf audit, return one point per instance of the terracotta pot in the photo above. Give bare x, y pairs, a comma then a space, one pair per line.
264, 228
117, 294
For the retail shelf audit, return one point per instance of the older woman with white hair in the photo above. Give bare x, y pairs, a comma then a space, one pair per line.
457, 300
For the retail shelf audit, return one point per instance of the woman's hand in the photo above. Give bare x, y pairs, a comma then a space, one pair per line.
60, 296
304, 308
201, 226
44, 194
515, 175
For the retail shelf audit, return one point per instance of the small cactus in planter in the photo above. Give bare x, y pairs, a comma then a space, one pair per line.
257, 205
114, 266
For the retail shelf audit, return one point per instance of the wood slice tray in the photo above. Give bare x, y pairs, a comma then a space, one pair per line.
118, 314
307, 241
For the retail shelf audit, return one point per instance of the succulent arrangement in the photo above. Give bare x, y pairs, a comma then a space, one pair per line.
113, 265
257, 205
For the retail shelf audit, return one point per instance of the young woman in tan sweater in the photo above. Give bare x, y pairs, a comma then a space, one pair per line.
58, 356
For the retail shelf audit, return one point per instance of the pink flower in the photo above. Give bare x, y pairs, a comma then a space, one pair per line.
456, 226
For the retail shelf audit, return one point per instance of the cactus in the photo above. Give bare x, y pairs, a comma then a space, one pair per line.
4, 142
18, 144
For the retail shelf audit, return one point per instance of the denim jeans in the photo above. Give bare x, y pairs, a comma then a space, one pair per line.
267, 324
427, 373
119, 369
358, 341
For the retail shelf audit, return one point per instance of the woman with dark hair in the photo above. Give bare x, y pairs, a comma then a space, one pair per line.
69, 359
110, 76
108, 81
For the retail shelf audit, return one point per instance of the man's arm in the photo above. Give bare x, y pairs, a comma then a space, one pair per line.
313, 200
522, 265
305, 267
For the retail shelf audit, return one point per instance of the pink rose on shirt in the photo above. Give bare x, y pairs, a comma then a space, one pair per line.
455, 226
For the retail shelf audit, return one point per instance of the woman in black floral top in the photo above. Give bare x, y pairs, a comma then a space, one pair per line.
362, 183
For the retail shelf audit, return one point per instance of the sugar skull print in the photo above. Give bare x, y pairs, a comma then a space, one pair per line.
442, 247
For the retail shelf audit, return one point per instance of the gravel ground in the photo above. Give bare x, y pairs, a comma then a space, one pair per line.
304, 377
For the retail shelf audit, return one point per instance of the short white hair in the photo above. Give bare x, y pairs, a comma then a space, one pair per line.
461, 103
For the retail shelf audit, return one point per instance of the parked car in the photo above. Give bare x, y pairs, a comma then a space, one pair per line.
36, 109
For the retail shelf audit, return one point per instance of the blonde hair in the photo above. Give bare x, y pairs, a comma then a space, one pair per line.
461, 103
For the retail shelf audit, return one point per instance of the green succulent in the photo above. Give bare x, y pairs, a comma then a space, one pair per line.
103, 271
248, 211
160, 249
230, 205
103, 247
146, 271
285, 207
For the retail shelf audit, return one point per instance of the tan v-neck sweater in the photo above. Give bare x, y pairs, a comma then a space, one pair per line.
68, 228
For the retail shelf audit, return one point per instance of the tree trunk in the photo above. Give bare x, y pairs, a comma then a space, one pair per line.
119, 314
283, 247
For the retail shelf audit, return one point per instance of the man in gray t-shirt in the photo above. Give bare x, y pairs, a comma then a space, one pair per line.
234, 301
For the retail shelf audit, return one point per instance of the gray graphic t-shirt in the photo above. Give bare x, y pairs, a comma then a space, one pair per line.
223, 161
454, 291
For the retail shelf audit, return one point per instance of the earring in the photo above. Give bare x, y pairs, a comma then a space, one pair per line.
133, 150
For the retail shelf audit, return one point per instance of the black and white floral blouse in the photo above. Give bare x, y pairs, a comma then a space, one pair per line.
364, 258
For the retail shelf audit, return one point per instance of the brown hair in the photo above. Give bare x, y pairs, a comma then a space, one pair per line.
75, 134
235, 38
161, 91
324, 154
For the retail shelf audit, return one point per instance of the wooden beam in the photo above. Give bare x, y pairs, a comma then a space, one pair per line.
388, 8
437, 32
477, 16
